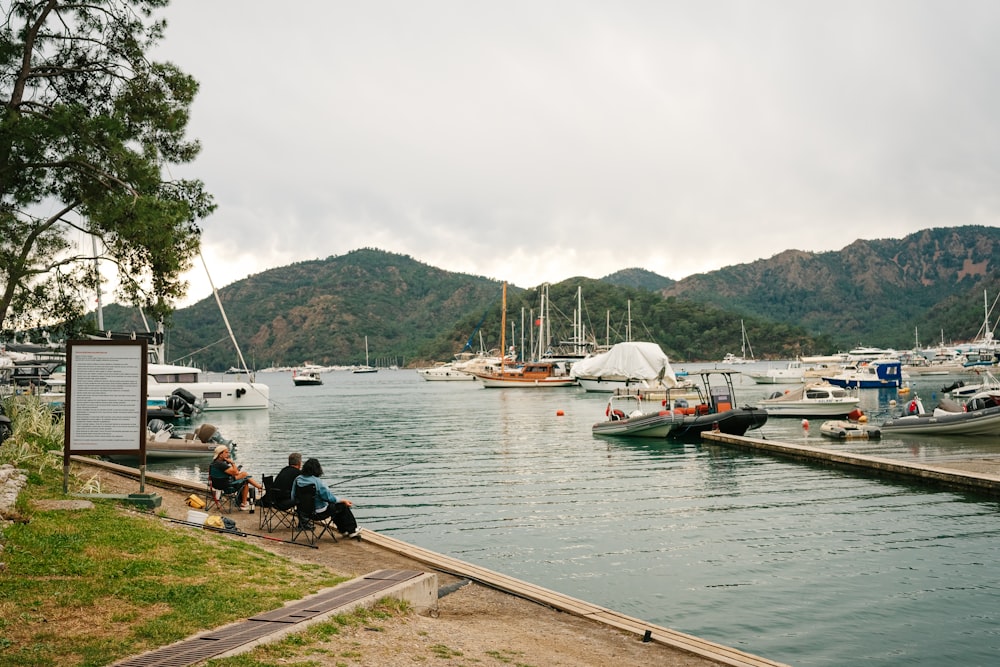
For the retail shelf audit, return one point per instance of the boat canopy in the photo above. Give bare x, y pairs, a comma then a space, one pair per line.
627, 361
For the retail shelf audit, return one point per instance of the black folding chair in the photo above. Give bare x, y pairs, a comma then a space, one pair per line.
222, 496
277, 509
306, 524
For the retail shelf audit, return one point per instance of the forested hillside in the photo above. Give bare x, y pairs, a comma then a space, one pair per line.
872, 292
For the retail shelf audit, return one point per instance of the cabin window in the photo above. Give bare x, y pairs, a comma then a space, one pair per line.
165, 378
211, 394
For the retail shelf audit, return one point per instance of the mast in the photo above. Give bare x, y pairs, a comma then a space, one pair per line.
503, 328
225, 319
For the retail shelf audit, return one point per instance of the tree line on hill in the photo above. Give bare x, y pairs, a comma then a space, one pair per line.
872, 292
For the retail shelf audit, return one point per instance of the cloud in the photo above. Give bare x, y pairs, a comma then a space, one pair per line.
538, 141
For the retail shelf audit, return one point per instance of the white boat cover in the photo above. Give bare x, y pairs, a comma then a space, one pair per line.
627, 361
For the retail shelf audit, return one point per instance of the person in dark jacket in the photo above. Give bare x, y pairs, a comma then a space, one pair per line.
327, 504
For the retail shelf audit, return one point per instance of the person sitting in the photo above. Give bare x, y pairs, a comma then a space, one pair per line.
282, 488
327, 504
227, 476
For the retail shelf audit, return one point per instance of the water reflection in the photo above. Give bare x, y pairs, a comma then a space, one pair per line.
766, 554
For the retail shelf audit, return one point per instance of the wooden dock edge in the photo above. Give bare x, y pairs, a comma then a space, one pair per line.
719, 653
710, 650
953, 479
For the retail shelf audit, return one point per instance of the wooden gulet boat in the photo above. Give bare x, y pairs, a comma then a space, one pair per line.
534, 375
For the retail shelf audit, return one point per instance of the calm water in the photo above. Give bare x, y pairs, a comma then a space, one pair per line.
798, 563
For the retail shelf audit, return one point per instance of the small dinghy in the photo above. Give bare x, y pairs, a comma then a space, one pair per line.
843, 429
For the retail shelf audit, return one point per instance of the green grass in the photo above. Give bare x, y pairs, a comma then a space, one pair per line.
88, 587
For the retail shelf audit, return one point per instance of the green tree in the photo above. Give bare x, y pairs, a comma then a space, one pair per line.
88, 127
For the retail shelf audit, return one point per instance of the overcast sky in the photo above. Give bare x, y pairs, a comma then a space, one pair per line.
537, 141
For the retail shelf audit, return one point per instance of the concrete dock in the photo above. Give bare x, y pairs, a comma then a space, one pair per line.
982, 483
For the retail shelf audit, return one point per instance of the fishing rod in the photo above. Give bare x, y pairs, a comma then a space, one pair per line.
238, 533
377, 472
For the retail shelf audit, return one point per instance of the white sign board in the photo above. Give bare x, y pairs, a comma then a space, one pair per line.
105, 397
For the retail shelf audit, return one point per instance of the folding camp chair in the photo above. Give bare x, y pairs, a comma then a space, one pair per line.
225, 496
277, 509
305, 523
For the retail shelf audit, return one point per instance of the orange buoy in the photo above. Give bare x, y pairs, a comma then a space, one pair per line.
805, 424
559, 413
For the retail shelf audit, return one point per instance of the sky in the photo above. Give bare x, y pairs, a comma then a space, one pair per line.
538, 141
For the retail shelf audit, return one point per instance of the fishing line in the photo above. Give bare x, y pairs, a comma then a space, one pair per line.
377, 472
238, 533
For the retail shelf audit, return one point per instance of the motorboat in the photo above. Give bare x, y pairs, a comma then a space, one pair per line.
844, 429
713, 410
628, 365
815, 399
445, 373
531, 375
980, 416
306, 378
960, 390
162, 442
877, 374
165, 379
791, 373
628, 415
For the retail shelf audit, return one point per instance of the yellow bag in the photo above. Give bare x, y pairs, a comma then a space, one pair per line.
215, 521
195, 502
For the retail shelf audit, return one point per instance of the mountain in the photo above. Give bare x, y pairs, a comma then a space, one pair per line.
872, 292
639, 278
321, 310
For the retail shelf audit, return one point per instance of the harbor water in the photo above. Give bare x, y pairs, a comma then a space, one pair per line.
799, 563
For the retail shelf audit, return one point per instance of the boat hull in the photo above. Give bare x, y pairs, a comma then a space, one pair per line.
445, 375
495, 382
731, 422
977, 422
603, 385
845, 430
651, 425
174, 448
810, 410
777, 379
817, 408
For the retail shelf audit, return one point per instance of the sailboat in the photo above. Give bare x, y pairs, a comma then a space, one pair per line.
731, 358
366, 368
533, 374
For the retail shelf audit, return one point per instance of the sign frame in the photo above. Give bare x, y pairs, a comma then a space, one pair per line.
105, 405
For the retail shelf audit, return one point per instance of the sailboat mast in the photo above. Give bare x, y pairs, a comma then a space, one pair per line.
225, 319
503, 327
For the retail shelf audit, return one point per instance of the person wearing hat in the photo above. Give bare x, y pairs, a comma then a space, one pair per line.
224, 471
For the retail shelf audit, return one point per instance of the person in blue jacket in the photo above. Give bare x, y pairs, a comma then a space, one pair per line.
327, 504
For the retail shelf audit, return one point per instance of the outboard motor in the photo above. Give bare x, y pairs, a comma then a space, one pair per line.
183, 401
179, 405
209, 433
156, 425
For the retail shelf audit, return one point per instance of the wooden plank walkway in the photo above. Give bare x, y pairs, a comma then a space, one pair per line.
721, 654
952, 479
